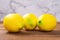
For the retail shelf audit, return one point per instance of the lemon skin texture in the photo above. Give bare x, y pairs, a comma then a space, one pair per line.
13, 22
46, 22
30, 21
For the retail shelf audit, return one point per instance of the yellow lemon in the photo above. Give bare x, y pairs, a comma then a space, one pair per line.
46, 22
30, 21
13, 22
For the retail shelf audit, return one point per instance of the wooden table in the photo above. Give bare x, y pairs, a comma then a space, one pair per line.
30, 35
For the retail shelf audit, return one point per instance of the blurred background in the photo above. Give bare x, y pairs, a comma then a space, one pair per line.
38, 7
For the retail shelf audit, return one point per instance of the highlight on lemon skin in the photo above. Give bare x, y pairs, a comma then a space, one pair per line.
46, 22
30, 21
13, 22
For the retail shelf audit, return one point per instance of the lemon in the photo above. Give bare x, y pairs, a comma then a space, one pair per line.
13, 22
30, 21
47, 22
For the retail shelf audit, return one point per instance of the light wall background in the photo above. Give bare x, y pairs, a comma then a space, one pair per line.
38, 7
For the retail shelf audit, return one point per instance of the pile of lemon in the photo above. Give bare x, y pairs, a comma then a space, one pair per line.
15, 22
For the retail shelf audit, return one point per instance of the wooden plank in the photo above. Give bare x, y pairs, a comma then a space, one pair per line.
30, 35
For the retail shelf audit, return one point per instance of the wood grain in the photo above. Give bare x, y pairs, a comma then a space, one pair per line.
30, 35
